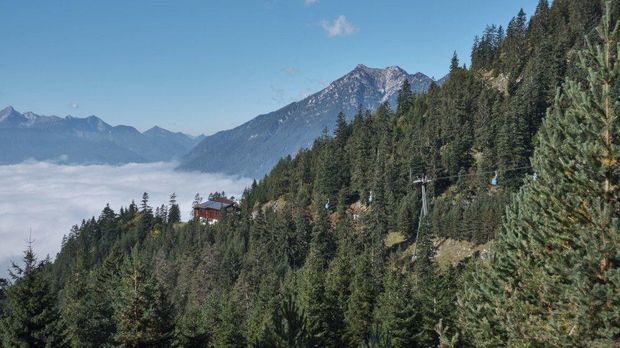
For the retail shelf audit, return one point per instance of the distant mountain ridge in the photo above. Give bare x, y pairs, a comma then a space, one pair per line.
89, 140
254, 147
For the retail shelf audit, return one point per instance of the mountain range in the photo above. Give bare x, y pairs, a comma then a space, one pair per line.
90, 140
254, 147
250, 149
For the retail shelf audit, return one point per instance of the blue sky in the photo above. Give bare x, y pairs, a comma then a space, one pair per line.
203, 66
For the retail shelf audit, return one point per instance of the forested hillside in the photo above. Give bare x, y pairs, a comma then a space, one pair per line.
323, 252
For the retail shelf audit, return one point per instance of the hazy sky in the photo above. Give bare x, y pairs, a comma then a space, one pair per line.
205, 65
48, 199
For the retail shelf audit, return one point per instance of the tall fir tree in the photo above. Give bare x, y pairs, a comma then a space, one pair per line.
315, 302
174, 213
358, 316
142, 311
426, 277
30, 317
397, 312
87, 312
4, 284
288, 326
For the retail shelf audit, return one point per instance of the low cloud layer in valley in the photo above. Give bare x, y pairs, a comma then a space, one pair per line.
48, 199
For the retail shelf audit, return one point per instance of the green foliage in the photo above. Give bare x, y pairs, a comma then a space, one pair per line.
397, 311
174, 212
358, 316
87, 312
554, 270
4, 284
221, 318
141, 309
316, 303
190, 331
288, 326
30, 317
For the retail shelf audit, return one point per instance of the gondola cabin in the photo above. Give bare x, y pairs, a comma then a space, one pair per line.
209, 211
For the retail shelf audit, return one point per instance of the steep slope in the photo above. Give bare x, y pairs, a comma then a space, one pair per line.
29, 136
253, 148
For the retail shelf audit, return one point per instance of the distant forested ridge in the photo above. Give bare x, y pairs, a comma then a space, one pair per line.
321, 253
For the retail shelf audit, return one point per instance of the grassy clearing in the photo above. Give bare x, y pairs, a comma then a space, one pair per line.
394, 238
449, 252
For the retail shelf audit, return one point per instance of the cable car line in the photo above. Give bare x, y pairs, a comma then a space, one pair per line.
424, 180
479, 173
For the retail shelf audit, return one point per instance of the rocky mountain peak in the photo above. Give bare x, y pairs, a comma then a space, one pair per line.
254, 147
7, 110
10, 117
157, 130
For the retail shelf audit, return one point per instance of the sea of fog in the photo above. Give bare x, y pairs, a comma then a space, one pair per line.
45, 199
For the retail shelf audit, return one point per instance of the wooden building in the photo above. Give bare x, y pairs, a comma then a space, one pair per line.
210, 210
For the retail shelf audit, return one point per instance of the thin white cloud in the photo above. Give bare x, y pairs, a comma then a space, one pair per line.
75, 105
290, 70
309, 2
339, 27
50, 198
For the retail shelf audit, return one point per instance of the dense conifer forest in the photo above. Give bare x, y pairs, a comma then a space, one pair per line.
331, 249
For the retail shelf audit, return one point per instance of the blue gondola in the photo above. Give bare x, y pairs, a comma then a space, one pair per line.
494, 180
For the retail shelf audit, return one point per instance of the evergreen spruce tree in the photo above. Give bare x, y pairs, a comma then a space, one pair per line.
30, 317
340, 268
454, 63
376, 339
142, 311
338, 276
144, 206
303, 230
227, 332
426, 289
328, 177
553, 277
343, 131
514, 50
217, 313
408, 214
174, 213
190, 331
288, 326
323, 241
86, 312
377, 219
4, 284
404, 98
358, 316
397, 310
361, 153
315, 302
